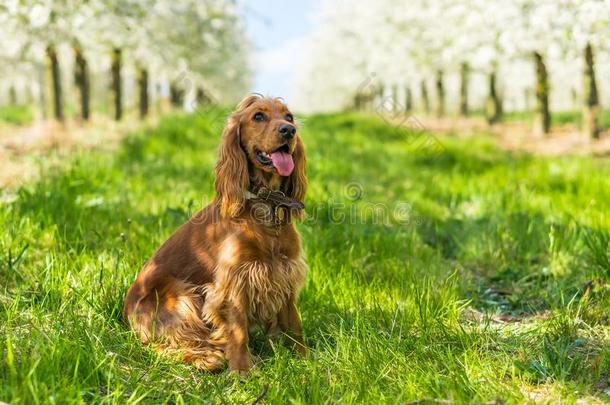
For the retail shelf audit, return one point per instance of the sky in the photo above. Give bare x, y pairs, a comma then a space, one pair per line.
278, 30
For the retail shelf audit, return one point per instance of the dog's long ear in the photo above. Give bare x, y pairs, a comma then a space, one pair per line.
231, 170
297, 183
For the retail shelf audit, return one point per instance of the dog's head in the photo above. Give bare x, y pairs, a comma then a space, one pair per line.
260, 144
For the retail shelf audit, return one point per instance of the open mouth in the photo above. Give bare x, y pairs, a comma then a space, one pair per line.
266, 159
280, 159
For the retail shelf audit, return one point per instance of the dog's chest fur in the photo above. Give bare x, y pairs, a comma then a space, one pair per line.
268, 286
263, 283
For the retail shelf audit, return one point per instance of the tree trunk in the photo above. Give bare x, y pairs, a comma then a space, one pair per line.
590, 111
574, 96
357, 98
143, 91
440, 94
173, 95
12, 95
493, 107
81, 79
395, 102
424, 97
116, 84
55, 76
464, 71
202, 98
542, 119
378, 102
176, 96
408, 99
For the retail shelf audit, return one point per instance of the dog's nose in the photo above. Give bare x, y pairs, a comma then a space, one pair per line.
287, 131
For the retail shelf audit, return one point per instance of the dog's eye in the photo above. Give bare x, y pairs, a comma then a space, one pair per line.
289, 117
259, 116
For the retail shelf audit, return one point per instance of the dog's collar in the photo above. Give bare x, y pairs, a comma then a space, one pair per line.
271, 207
274, 198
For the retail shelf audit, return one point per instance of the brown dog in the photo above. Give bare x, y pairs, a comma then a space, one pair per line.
237, 263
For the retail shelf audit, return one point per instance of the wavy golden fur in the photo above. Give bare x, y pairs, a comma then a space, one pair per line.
226, 271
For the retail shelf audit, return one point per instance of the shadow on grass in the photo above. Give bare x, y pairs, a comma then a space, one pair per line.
521, 262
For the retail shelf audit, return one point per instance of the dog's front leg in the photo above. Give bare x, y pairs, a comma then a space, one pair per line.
289, 322
237, 352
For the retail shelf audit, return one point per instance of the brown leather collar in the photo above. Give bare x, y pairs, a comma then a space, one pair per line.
278, 205
273, 198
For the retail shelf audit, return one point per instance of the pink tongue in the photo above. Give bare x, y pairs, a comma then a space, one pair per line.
283, 163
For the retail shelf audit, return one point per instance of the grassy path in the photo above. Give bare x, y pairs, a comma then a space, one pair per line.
464, 274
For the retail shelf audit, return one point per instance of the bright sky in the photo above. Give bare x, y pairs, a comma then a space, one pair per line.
278, 29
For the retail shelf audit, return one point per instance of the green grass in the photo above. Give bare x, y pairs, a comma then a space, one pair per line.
415, 255
16, 114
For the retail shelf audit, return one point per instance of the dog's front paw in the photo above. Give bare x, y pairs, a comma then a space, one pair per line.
240, 373
241, 365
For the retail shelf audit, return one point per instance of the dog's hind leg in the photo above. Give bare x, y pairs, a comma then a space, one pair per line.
171, 319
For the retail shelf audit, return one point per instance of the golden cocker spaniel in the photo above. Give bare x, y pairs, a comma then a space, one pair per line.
237, 263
